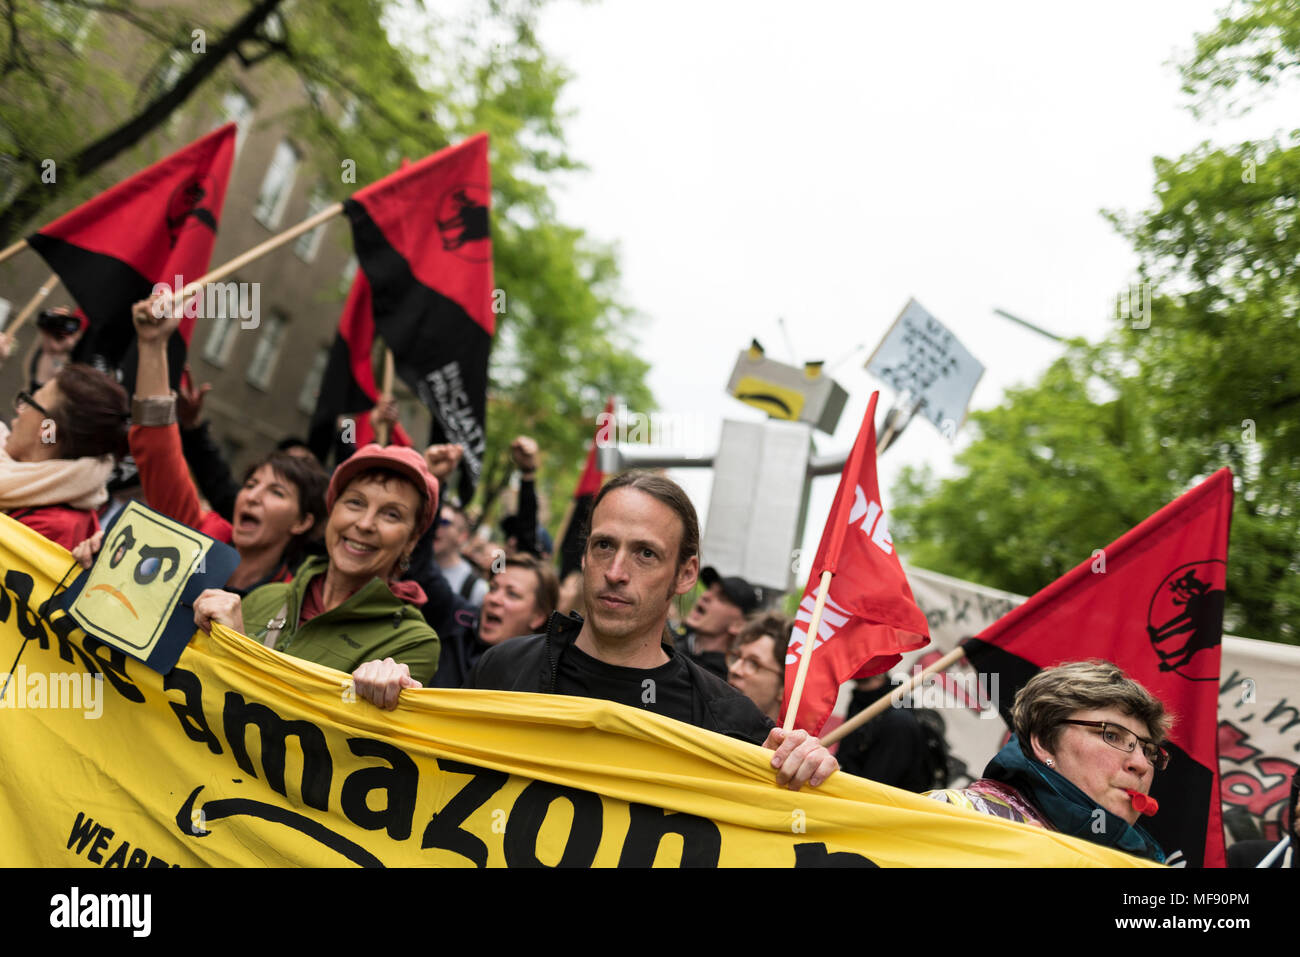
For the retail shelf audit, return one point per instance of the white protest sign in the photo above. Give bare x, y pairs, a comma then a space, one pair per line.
919, 355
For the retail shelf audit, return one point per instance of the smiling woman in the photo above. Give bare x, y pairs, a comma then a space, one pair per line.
349, 611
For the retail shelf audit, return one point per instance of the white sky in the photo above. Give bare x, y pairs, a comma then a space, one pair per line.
823, 161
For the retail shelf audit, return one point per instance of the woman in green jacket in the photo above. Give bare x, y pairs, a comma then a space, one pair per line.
349, 611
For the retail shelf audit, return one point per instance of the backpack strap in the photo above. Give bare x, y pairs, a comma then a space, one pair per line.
276, 625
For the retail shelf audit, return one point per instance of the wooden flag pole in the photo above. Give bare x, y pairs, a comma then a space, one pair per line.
386, 393
823, 589
13, 250
261, 249
32, 304
878, 706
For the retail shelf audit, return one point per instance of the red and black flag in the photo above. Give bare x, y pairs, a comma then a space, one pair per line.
1152, 603
112, 250
422, 239
870, 618
348, 386
588, 485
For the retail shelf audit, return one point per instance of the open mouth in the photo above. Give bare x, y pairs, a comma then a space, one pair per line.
247, 522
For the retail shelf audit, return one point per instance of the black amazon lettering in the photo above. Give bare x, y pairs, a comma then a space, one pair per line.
525, 823
399, 782
444, 828
701, 839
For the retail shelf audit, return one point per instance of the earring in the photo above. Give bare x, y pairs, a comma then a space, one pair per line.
405, 562
1050, 763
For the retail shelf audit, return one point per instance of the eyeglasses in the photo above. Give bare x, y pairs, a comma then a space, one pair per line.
25, 398
1122, 739
751, 664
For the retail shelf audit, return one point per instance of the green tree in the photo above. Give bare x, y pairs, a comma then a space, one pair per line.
1114, 430
381, 80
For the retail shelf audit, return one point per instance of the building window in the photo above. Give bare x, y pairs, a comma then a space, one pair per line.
217, 347
237, 109
308, 243
268, 350
276, 186
310, 393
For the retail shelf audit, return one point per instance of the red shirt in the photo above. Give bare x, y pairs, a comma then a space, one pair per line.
63, 524
165, 478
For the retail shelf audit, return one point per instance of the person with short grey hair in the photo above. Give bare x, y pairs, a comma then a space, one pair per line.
1087, 745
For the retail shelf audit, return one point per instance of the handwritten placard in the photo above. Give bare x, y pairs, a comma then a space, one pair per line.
920, 355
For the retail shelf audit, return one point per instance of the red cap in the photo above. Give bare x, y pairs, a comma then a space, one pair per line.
396, 458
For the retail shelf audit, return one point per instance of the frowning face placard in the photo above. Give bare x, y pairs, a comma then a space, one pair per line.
138, 595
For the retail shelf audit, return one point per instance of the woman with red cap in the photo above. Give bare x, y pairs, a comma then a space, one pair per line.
349, 610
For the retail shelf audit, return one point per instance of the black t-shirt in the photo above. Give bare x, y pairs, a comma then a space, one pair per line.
666, 690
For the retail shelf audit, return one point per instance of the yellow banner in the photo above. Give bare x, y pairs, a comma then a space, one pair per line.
243, 756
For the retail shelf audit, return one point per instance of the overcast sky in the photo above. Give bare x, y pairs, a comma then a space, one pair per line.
824, 161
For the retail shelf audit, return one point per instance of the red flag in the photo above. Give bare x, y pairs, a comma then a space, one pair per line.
870, 618
422, 239
1152, 603
588, 485
161, 223
592, 477
348, 385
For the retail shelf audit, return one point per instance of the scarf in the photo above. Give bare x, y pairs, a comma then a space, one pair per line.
77, 483
1068, 808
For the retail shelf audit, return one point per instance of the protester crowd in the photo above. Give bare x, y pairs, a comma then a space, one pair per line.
374, 570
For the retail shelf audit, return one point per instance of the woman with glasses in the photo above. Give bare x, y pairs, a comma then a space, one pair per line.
1086, 747
756, 661
58, 453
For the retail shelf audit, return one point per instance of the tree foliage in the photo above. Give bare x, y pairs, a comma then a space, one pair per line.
1114, 430
380, 80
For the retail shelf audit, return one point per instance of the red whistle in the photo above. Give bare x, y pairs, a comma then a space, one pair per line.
1144, 804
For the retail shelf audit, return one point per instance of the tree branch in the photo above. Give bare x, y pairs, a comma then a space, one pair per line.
94, 156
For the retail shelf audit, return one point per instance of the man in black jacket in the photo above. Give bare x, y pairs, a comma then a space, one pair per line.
641, 552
